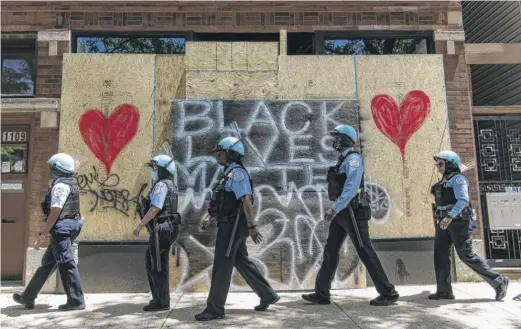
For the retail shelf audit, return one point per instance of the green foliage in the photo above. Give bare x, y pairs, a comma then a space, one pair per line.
149, 45
370, 47
9, 152
18, 81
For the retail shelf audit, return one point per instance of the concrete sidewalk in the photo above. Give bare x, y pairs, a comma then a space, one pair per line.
474, 307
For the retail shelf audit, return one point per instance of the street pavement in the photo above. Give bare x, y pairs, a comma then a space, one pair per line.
474, 307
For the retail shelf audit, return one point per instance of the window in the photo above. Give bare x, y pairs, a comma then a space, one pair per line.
300, 43
130, 44
14, 159
18, 68
382, 43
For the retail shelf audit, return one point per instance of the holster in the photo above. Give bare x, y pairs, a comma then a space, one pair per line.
361, 206
172, 219
440, 214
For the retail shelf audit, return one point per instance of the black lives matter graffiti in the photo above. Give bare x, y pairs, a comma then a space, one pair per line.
288, 151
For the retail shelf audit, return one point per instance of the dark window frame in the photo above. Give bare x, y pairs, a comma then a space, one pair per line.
321, 36
236, 37
187, 35
21, 49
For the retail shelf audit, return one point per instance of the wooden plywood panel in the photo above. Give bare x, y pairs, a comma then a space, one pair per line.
201, 55
240, 56
412, 82
231, 85
224, 56
262, 56
170, 85
316, 77
112, 173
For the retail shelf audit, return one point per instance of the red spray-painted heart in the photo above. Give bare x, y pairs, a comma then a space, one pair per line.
106, 137
399, 124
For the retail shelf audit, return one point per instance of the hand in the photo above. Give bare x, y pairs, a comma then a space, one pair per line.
329, 215
138, 229
206, 221
255, 235
38, 241
445, 222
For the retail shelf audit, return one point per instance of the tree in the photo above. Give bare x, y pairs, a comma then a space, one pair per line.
18, 79
370, 47
146, 45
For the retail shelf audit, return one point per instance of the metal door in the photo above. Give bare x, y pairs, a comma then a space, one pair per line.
498, 146
14, 163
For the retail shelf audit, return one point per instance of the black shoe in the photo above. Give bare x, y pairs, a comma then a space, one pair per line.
501, 291
263, 306
313, 298
28, 304
155, 307
441, 295
206, 316
71, 307
384, 300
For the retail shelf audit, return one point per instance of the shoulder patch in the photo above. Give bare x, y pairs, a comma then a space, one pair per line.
160, 187
59, 192
461, 180
238, 175
354, 163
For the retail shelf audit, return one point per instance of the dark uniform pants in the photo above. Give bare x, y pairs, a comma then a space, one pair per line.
459, 234
159, 280
340, 226
59, 255
223, 268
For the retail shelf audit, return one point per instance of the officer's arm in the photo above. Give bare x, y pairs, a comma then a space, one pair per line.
354, 170
59, 194
461, 192
157, 199
242, 188
248, 210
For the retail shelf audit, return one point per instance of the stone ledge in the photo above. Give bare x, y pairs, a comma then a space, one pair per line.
446, 35
33, 261
20, 105
54, 35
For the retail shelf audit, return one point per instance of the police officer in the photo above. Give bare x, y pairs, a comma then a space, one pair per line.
159, 215
350, 215
455, 220
232, 206
61, 208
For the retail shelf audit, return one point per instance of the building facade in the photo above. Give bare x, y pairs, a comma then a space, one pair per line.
230, 55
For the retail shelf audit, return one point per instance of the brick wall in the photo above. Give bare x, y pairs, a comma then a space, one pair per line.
49, 69
246, 17
45, 144
223, 16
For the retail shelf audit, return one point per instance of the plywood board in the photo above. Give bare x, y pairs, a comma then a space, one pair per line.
224, 56
231, 85
317, 77
262, 56
228, 56
170, 84
412, 82
201, 55
239, 56
104, 82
